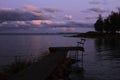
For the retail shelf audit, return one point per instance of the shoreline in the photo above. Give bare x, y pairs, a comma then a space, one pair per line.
97, 35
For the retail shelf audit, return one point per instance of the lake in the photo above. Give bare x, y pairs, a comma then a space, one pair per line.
101, 56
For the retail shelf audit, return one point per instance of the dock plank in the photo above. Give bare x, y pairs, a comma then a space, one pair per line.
53, 49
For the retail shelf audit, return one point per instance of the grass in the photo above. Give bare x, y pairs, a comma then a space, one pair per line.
14, 68
17, 66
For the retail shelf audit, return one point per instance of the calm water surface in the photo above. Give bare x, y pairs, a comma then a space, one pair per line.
101, 56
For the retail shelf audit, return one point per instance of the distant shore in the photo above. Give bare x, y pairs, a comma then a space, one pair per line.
97, 35
61, 33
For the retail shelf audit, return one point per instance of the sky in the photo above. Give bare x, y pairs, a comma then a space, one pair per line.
41, 15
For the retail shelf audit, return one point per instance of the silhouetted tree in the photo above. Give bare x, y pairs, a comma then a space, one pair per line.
107, 25
110, 25
113, 20
99, 24
118, 22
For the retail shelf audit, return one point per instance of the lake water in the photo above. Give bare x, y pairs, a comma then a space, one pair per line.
101, 56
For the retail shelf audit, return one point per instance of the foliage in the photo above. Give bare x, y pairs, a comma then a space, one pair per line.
109, 25
99, 24
106, 26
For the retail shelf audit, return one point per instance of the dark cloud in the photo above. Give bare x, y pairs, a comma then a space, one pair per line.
37, 25
51, 10
118, 7
79, 24
70, 24
24, 25
96, 2
32, 18
12, 27
98, 10
91, 17
21, 15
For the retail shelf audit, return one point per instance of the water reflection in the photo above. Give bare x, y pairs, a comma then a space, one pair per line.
106, 64
25, 46
108, 47
101, 56
107, 43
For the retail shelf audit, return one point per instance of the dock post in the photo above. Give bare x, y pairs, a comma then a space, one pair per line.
81, 44
82, 59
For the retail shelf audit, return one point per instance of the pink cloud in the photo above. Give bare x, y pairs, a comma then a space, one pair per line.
32, 8
40, 22
68, 17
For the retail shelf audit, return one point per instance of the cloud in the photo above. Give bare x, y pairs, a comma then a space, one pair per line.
9, 14
38, 24
25, 24
69, 24
51, 10
68, 17
97, 10
118, 7
68, 29
96, 2
32, 9
41, 22
91, 17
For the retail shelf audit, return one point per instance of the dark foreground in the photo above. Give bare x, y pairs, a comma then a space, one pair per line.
52, 67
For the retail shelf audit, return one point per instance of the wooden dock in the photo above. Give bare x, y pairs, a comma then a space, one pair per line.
42, 69
54, 49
